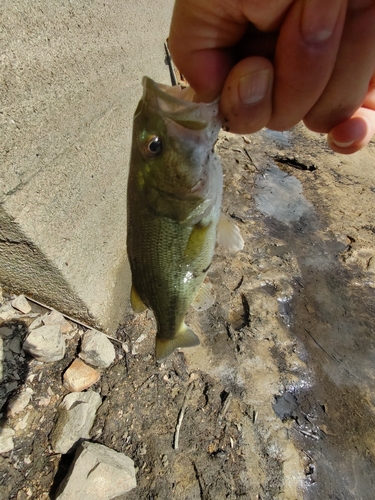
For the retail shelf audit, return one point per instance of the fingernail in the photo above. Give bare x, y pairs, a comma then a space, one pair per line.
319, 19
253, 87
342, 144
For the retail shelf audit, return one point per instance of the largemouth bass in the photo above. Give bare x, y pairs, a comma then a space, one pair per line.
174, 197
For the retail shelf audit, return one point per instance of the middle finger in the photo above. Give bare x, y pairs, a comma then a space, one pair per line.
305, 56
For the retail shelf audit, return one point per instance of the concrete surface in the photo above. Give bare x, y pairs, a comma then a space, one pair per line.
70, 81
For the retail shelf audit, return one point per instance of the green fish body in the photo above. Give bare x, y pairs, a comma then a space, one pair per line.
174, 197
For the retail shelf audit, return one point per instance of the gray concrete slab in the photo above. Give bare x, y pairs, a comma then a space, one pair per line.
70, 81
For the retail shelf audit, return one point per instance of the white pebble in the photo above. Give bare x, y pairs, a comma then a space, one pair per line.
96, 349
21, 304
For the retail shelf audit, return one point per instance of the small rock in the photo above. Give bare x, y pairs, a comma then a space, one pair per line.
142, 449
11, 387
7, 312
80, 376
45, 343
19, 402
76, 415
71, 334
96, 349
15, 345
137, 343
21, 495
21, 304
22, 424
44, 401
6, 332
8, 355
30, 377
1, 295
97, 472
56, 318
6, 439
38, 321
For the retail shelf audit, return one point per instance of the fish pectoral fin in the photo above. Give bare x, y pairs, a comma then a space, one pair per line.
185, 337
136, 302
228, 234
205, 297
197, 241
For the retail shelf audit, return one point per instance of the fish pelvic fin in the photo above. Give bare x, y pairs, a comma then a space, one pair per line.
185, 337
136, 302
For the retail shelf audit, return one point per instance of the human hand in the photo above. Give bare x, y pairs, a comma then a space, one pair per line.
278, 62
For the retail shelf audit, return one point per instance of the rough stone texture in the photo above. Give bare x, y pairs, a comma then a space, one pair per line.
71, 79
80, 376
56, 318
96, 349
19, 402
98, 473
38, 321
76, 417
7, 311
15, 345
21, 304
45, 343
6, 332
6, 439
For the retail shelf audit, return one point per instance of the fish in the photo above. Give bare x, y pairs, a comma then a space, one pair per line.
174, 197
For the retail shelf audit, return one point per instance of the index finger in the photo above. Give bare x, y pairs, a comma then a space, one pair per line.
203, 37
200, 40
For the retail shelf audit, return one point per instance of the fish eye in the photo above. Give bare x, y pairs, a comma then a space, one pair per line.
154, 146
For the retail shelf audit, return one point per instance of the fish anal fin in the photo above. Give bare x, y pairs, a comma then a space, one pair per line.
228, 234
185, 337
136, 302
204, 298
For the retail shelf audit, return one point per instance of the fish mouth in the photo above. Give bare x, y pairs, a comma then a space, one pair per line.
177, 104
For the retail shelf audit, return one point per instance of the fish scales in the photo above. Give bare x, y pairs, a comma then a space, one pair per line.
161, 267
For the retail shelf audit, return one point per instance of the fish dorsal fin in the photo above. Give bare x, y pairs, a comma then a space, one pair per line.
228, 234
205, 297
136, 302
185, 337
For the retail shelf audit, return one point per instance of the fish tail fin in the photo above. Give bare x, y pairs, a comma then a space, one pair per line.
185, 337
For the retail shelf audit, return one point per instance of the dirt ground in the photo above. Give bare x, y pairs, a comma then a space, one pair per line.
278, 401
